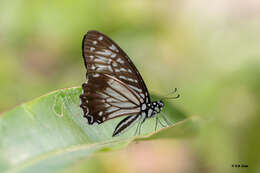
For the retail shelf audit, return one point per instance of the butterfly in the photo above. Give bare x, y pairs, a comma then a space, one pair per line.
113, 87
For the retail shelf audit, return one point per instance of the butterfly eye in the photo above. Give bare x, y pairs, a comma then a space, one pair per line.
160, 103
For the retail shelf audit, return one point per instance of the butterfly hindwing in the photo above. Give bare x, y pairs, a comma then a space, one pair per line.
106, 98
125, 124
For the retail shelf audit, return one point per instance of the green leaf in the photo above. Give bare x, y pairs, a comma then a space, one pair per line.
49, 133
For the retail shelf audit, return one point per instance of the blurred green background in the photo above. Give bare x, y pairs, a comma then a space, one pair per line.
210, 50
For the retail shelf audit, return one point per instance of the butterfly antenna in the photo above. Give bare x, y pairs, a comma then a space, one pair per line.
171, 93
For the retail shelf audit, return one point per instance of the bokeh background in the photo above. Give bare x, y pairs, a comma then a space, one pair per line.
210, 50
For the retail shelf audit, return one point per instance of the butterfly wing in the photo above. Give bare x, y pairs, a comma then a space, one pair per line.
114, 87
125, 124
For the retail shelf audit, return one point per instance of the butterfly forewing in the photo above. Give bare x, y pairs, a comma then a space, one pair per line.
113, 87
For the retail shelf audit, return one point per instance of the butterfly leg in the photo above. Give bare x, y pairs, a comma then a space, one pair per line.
161, 123
166, 120
138, 129
138, 125
142, 121
156, 123
158, 120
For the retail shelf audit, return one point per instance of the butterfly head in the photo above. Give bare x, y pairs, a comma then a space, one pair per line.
160, 105
154, 108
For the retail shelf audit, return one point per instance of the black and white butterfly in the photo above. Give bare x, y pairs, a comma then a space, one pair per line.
114, 87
